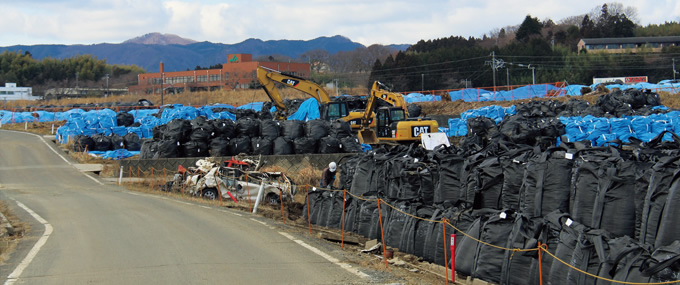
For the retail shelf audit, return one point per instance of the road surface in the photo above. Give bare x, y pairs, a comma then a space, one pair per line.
92, 233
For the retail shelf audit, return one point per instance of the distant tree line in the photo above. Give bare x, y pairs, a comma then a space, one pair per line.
24, 70
547, 48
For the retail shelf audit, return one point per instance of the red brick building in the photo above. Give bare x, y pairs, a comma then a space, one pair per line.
238, 72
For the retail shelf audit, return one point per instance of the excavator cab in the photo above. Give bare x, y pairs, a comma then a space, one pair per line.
334, 110
387, 117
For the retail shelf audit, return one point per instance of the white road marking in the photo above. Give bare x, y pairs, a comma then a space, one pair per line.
14, 276
61, 156
259, 222
326, 256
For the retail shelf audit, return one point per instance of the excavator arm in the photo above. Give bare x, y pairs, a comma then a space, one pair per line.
267, 77
378, 92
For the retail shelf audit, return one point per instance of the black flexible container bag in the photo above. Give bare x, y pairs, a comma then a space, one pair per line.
248, 127
270, 129
102, 142
148, 150
159, 131
350, 144
262, 145
340, 129
219, 146
415, 230
292, 129
314, 199
329, 144
83, 143
194, 149
168, 149
397, 223
224, 128
546, 183
117, 142
132, 142
489, 260
305, 145
177, 130
283, 146
316, 129
655, 199
124, 119
669, 231
239, 145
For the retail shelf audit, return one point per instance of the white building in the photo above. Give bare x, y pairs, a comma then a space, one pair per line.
12, 92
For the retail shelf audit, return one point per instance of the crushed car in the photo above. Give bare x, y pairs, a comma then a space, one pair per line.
232, 180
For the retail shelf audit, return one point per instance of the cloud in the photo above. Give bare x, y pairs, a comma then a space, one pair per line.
368, 22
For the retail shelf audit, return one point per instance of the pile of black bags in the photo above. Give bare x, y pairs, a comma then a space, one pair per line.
223, 137
609, 211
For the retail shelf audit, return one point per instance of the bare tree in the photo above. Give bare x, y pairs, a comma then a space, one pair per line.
317, 59
572, 20
614, 8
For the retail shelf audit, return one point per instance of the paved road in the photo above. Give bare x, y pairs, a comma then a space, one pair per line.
103, 234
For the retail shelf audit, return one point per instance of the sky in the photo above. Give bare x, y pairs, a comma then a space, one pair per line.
32, 22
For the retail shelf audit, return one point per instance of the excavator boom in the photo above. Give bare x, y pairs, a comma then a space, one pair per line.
267, 77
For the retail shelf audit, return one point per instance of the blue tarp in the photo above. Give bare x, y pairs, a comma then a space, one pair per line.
418, 97
602, 130
458, 127
256, 106
308, 110
114, 154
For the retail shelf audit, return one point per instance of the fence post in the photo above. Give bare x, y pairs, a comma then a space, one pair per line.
453, 258
309, 218
344, 201
132, 174
153, 180
540, 264
120, 177
139, 176
283, 216
446, 261
250, 208
382, 234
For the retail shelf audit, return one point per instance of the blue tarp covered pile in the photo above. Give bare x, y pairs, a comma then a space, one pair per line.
418, 97
458, 126
79, 122
114, 154
602, 130
308, 110
524, 92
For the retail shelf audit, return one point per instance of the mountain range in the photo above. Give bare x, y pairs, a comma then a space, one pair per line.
178, 53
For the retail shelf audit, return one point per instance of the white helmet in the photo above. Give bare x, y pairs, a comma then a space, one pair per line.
332, 166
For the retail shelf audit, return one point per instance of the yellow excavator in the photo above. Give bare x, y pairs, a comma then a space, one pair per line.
392, 124
329, 110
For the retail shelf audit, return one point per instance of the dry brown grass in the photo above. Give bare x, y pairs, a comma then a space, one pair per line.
33, 127
9, 242
233, 97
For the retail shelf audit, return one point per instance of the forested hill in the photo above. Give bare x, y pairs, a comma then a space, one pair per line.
188, 56
542, 49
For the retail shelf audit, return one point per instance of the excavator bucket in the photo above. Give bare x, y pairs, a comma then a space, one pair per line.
367, 136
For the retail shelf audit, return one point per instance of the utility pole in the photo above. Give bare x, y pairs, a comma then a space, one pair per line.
495, 64
336, 87
422, 82
493, 68
674, 71
162, 91
507, 73
107, 85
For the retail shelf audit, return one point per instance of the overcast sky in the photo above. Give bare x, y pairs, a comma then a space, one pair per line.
31, 22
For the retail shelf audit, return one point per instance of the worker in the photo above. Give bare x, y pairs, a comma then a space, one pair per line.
328, 175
